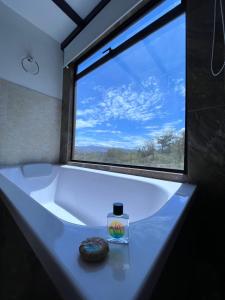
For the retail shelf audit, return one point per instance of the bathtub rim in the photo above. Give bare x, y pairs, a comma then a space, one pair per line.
181, 200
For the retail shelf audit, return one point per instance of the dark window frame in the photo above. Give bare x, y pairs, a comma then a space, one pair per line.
148, 30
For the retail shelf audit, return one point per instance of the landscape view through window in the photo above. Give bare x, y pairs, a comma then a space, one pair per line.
131, 109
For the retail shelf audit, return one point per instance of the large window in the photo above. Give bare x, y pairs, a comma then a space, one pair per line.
130, 100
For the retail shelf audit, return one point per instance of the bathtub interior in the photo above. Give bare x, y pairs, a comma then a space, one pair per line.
85, 197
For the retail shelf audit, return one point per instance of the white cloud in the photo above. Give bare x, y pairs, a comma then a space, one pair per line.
156, 130
123, 103
127, 103
85, 112
153, 127
173, 123
166, 127
88, 100
180, 87
106, 131
124, 142
180, 132
80, 123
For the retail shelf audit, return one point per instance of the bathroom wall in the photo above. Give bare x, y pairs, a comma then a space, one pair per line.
19, 38
206, 97
206, 145
30, 106
196, 267
29, 125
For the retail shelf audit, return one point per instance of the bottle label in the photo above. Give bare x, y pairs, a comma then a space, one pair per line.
116, 229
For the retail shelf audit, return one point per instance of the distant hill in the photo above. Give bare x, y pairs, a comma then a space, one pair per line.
90, 148
101, 149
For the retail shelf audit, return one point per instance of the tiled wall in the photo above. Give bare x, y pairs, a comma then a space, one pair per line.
205, 275
29, 125
206, 117
206, 96
196, 267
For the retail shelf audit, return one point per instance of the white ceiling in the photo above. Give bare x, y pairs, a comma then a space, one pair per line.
83, 7
48, 17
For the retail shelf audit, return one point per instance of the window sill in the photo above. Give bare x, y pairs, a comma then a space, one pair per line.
171, 176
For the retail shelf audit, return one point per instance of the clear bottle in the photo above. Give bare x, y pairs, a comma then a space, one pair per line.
118, 225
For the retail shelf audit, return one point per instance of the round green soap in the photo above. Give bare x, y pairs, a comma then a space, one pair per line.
94, 249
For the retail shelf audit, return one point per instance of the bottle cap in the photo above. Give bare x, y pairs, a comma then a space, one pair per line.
118, 209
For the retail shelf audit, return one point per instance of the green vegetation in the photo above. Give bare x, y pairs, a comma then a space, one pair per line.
166, 151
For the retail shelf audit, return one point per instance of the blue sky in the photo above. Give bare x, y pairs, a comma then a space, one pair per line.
137, 95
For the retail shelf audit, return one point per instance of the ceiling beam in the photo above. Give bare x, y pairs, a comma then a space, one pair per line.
86, 20
67, 9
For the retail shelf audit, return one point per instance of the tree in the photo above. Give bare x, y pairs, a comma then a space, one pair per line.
165, 140
147, 150
179, 145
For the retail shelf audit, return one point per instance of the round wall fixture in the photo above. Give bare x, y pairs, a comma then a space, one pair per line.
30, 65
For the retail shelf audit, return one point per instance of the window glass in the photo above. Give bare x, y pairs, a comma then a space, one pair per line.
149, 18
131, 109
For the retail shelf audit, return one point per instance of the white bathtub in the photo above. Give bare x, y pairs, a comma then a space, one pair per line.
50, 203
85, 197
